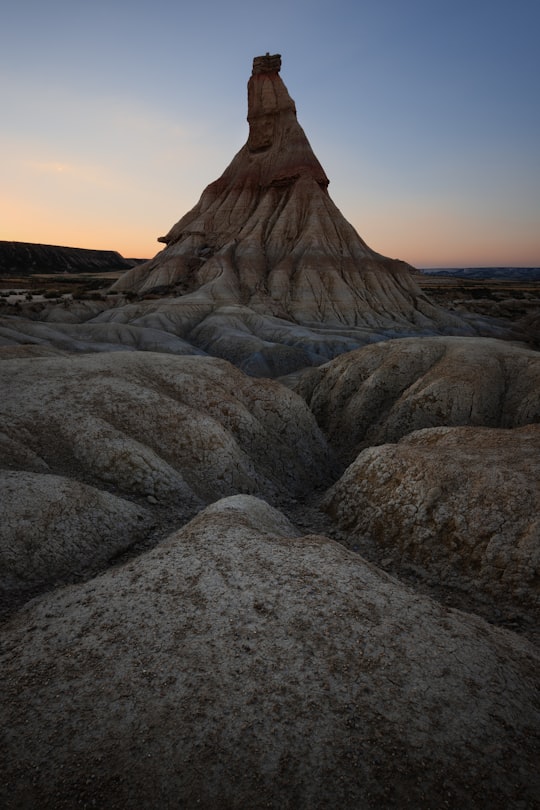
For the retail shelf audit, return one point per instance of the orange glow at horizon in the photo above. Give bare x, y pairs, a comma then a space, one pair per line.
101, 207
28, 224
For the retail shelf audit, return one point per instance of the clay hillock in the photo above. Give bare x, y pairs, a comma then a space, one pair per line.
139, 436
26, 258
459, 504
171, 637
442, 438
380, 393
56, 529
239, 664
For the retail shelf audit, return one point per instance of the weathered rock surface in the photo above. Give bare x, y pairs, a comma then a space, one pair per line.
239, 665
60, 329
461, 503
54, 528
380, 393
259, 344
178, 429
168, 433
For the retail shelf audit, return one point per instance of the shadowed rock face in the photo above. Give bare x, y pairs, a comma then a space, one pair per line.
55, 528
267, 235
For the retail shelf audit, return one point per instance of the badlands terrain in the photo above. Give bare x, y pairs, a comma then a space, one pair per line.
270, 519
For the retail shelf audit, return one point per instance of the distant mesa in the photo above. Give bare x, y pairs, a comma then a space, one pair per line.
267, 235
27, 258
502, 273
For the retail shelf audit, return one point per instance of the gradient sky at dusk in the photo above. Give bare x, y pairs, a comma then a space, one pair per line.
425, 115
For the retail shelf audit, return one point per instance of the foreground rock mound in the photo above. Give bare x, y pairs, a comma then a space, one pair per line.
461, 503
266, 235
380, 393
239, 665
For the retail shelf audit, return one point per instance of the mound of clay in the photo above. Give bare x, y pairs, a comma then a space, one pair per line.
53, 528
173, 429
59, 328
239, 665
461, 503
380, 393
260, 345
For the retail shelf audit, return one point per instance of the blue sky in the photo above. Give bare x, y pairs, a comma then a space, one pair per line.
425, 116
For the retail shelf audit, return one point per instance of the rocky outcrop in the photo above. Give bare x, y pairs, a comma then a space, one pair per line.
461, 503
383, 392
266, 235
25, 258
241, 665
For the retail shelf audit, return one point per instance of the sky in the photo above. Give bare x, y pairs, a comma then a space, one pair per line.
425, 115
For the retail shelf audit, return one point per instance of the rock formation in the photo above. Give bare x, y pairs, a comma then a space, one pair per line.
160, 426
463, 504
170, 433
267, 235
241, 665
264, 271
56, 529
383, 392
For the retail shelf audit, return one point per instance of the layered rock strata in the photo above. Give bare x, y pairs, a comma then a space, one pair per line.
267, 235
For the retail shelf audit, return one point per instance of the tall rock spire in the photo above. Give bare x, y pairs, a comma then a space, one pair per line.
267, 235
